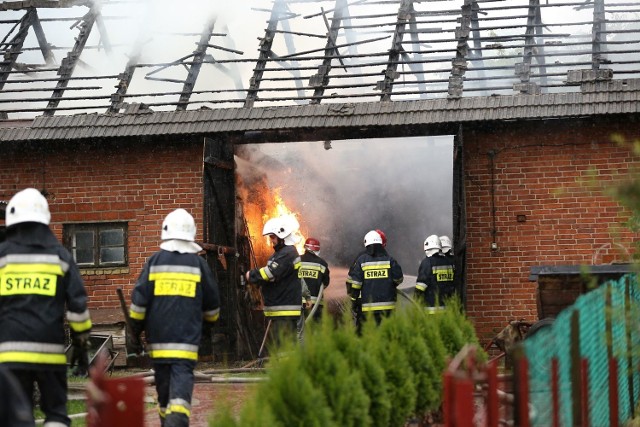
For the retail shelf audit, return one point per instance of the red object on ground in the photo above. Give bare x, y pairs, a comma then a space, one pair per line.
114, 401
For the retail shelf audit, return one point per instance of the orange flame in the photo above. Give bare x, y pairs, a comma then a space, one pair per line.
280, 209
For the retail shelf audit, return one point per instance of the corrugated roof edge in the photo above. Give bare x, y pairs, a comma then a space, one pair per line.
235, 120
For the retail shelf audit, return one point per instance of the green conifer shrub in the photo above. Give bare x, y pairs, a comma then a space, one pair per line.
398, 372
429, 333
371, 372
331, 374
405, 333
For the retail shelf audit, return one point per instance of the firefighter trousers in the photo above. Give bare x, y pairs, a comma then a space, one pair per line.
174, 384
52, 385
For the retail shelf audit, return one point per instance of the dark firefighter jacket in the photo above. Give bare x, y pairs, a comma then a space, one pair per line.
173, 295
315, 272
279, 283
349, 281
38, 277
374, 278
435, 280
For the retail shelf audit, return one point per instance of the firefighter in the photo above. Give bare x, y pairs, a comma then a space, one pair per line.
349, 279
446, 247
314, 271
15, 409
278, 279
175, 293
375, 276
38, 278
434, 284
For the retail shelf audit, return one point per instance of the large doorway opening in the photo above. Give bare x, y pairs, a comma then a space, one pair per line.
341, 189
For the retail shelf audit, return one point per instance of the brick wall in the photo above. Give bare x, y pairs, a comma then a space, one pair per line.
133, 181
540, 174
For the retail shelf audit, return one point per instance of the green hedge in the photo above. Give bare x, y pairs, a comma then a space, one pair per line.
382, 377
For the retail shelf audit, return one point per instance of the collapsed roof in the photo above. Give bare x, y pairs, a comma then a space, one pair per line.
112, 56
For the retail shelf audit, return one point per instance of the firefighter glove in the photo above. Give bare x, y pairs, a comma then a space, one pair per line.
134, 345
356, 307
80, 353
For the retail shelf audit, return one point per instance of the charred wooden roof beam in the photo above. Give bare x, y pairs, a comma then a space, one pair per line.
45, 48
599, 33
459, 63
405, 14
194, 69
16, 45
320, 80
278, 13
476, 53
523, 69
69, 63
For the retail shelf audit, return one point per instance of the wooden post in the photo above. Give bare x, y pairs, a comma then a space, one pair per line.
463, 408
576, 377
584, 392
523, 392
555, 393
613, 393
446, 403
493, 408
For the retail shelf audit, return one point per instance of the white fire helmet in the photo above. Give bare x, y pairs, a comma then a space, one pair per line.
432, 245
284, 228
179, 225
445, 244
28, 205
372, 238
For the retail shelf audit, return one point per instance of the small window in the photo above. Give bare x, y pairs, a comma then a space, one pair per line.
97, 245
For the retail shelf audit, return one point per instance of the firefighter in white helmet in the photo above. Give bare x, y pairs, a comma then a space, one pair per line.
374, 276
314, 270
384, 245
278, 279
434, 284
446, 247
175, 293
38, 278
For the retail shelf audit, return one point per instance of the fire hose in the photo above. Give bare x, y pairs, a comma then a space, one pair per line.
316, 305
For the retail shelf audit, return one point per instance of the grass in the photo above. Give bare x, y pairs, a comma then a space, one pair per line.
73, 407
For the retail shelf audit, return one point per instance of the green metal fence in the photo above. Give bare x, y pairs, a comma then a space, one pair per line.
602, 325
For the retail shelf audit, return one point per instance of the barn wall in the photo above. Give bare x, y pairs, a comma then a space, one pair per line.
540, 171
138, 182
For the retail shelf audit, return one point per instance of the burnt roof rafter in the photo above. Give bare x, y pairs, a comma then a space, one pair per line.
320, 80
278, 13
68, 64
599, 32
45, 47
15, 45
311, 52
194, 69
459, 63
405, 15
531, 47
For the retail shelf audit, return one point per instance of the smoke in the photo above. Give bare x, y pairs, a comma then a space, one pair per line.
402, 186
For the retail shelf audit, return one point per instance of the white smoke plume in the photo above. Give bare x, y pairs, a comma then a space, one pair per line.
402, 186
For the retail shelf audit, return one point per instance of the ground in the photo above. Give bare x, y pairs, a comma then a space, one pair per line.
206, 397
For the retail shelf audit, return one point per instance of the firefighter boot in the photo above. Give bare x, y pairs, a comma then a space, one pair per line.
176, 419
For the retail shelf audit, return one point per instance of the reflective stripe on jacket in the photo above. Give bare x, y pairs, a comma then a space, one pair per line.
173, 295
38, 280
315, 272
280, 284
374, 278
435, 279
